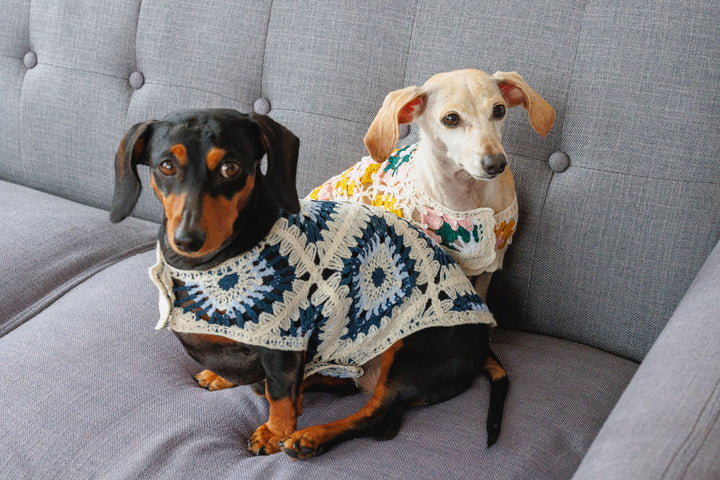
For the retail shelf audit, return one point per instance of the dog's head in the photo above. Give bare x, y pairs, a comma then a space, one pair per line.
461, 114
205, 170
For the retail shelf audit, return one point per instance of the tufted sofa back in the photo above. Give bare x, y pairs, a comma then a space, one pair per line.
620, 203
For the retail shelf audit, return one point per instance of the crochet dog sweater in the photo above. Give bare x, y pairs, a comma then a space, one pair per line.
341, 281
473, 238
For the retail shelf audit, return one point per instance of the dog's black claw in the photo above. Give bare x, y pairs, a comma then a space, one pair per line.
291, 453
261, 451
305, 451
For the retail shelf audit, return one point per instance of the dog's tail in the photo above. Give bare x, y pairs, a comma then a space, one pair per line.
499, 383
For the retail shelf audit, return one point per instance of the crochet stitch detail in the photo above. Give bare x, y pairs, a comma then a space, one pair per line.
472, 238
342, 281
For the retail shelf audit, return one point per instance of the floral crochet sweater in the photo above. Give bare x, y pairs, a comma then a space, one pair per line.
341, 281
475, 239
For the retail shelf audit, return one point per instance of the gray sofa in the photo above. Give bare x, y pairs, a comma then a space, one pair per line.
608, 306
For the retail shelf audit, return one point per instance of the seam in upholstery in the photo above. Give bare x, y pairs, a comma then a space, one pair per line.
262, 65
22, 86
137, 30
583, 19
12, 57
135, 61
534, 248
407, 50
315, 114
572, 69
84, 70
135, 50
685, 445
58, 292
626, 174
164, 84
702, 443
228, 97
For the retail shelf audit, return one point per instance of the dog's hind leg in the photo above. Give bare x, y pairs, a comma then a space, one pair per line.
380, 417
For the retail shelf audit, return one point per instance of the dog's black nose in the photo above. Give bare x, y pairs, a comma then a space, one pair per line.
494, 164
189, 241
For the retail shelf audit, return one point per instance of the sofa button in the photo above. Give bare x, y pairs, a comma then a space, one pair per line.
262, 106
404, 130
30, 60
136, 80
559, 162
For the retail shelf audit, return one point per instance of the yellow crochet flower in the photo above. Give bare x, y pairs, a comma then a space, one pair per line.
345, 185
314, 194
388, 203
366, 178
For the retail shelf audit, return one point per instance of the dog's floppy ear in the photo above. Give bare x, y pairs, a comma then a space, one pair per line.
517, 92
132, 151
400, 107
282, 147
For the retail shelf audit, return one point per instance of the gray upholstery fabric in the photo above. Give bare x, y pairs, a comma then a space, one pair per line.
632, 215
616, 239
669, 428
129, 408
49, 245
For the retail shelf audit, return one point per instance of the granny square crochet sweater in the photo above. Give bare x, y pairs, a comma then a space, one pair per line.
342, 281
476, 239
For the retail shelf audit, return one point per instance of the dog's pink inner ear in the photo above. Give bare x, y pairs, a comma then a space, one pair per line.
408, 113
513, 95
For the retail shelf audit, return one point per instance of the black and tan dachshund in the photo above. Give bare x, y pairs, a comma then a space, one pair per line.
219, 203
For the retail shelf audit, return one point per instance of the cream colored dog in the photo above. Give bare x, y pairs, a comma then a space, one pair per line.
454, 183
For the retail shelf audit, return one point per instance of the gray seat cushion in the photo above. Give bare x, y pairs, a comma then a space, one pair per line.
118, 400
50, 244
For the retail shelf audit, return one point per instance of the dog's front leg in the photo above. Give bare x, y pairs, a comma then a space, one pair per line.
284, 376
481, 284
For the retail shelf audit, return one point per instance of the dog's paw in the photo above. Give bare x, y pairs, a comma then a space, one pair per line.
264, 441
303, 444
212, 381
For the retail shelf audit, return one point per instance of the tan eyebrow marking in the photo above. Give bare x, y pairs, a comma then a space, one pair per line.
180, 153
214, 156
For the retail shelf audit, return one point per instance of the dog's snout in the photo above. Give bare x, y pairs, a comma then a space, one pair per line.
189, 240
494, 164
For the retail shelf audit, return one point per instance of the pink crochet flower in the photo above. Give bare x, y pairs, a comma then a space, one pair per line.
435, 237
432, 219
466, 223
326, 191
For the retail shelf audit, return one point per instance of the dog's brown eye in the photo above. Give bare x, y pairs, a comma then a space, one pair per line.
167, 168
451, 120
498, 111
230, 169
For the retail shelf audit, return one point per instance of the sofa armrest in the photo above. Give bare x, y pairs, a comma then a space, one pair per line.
666, 424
